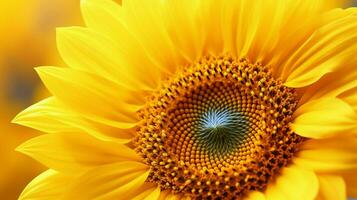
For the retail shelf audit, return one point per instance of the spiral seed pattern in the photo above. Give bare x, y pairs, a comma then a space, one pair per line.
218, 129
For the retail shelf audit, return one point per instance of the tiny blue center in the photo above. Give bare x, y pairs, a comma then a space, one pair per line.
216, 119
221, 130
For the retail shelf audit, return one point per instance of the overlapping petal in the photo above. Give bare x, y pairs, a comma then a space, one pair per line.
330, 155
52, 116
122, 180
144, 21
87, 50
151, 191
328, 49
337, 84
73, 153
331, 188
350, 96
294, 183
323, 118
49, 116
95, 97
48, 185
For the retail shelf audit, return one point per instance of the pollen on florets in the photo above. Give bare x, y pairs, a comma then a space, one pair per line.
218, 129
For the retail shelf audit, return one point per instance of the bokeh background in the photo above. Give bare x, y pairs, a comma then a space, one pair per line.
27, 40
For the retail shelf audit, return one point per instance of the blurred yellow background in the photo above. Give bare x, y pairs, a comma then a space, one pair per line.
27, 40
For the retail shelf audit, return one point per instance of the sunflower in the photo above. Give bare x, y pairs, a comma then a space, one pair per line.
200, 99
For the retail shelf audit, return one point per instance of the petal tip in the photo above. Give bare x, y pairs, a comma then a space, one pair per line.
22, 148
21, 118
17, 119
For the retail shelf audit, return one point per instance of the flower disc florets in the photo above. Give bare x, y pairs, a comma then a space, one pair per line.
218, 129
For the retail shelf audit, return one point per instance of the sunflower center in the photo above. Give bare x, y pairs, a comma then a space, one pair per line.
220, 131
217, 129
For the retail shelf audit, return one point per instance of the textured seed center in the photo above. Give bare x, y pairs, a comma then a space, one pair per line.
219, 128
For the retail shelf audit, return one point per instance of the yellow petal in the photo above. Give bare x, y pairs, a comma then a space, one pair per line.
90, 51
350, 96
266, 24
247, 26
48, 185
329, 155
323, 118
331, 188
270, 31
97, 98
148, 191
123, 180
339, 81
51, 116
104, 17
211, 12
154, 195
255, 195
69, 152
333, 85
293, 184
48, 116
189, 39
330, 47
144, 19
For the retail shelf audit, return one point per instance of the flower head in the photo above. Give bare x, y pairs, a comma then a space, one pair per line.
200, 99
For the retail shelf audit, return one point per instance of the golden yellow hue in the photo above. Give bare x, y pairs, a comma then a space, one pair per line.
149, 104
27, 34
